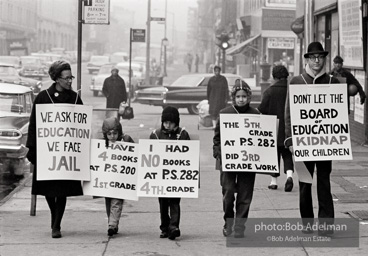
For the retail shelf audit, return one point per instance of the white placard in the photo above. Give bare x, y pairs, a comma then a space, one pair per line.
168, 168
113, 170
320, 122
350, 31
63, 141
97, 12
248, 143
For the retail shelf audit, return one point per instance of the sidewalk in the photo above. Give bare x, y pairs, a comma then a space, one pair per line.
84, 226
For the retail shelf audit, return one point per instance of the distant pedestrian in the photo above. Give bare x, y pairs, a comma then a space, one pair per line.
339, 71
189, 61
314, 74
196, 62
114, 89
241, 183
273, 103
170, 207
55, 191
112, 131
217, 94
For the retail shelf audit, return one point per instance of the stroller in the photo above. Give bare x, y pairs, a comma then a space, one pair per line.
204, 118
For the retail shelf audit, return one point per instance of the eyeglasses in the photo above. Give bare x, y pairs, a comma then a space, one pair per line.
69, 78
314, 58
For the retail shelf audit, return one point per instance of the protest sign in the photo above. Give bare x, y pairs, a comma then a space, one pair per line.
168, 168
320, 122
113, 170
248, 143
63, 141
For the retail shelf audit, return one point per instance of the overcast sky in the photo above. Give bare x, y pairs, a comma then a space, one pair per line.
176, 9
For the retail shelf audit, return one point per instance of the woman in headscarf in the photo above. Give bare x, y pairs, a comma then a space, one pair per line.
55, 191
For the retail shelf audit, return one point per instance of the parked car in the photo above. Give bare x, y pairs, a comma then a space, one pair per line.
32, 66
9, 75
96, 62
103, 73
12, 60
47, 58
137, 68
187, 92
117, 57
15, 109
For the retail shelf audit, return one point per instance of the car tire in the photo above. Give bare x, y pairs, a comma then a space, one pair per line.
14, 166
193, 110
95, 93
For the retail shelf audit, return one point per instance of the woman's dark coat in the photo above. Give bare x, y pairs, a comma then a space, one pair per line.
115, 91
217, 94
51, 188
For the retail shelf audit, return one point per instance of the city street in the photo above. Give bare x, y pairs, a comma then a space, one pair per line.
84, 225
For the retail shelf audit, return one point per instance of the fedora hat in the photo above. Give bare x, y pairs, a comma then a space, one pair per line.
315, 48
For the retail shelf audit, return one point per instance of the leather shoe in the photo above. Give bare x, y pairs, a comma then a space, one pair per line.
328, 232
272, 186
164, 234
227, 232
289, 184
174, 234
55, 233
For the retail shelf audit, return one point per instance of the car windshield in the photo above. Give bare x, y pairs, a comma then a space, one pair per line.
104, 70
189, 81
99, 59
35, 61
11, 103
7, 71
10, 60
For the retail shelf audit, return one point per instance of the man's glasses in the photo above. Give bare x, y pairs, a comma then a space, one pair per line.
314, 58
69, 78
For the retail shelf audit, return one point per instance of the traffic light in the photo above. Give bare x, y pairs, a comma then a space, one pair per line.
223, 41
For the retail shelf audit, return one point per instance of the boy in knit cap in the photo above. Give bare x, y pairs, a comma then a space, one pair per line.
170, 207
112, 131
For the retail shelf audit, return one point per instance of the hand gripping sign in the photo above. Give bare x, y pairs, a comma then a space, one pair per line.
248, 143
320, 122
63, 141
113, 170
168, 168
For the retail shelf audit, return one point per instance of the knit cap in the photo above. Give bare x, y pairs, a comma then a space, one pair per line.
170, 114
111, 123
242, 86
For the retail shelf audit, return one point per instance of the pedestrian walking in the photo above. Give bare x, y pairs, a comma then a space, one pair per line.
112, 131
314, 73
241, 183
55, 191
114, 89
339, 71
273, 103
189, 61
170, 207
196, 62
217, 94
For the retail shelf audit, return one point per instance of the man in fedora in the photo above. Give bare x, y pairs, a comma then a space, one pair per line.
339, 71
314, 73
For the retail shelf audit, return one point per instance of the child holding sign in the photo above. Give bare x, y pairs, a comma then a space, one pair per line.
112, 131
170, 130
241, 183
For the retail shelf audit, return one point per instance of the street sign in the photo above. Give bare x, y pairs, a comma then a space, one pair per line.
139, 35
97, 12
157, 19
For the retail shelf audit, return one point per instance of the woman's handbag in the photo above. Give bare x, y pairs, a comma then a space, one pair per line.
126, 112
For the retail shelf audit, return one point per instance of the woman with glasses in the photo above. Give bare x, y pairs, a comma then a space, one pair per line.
55, 191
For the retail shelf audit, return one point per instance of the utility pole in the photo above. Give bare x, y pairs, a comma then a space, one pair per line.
147, 80
79, 48
165, 74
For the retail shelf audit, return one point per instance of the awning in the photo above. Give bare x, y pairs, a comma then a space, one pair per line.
240, 47
278, 33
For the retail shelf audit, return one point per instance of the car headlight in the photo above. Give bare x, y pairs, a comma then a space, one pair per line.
163, 95
39, 85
